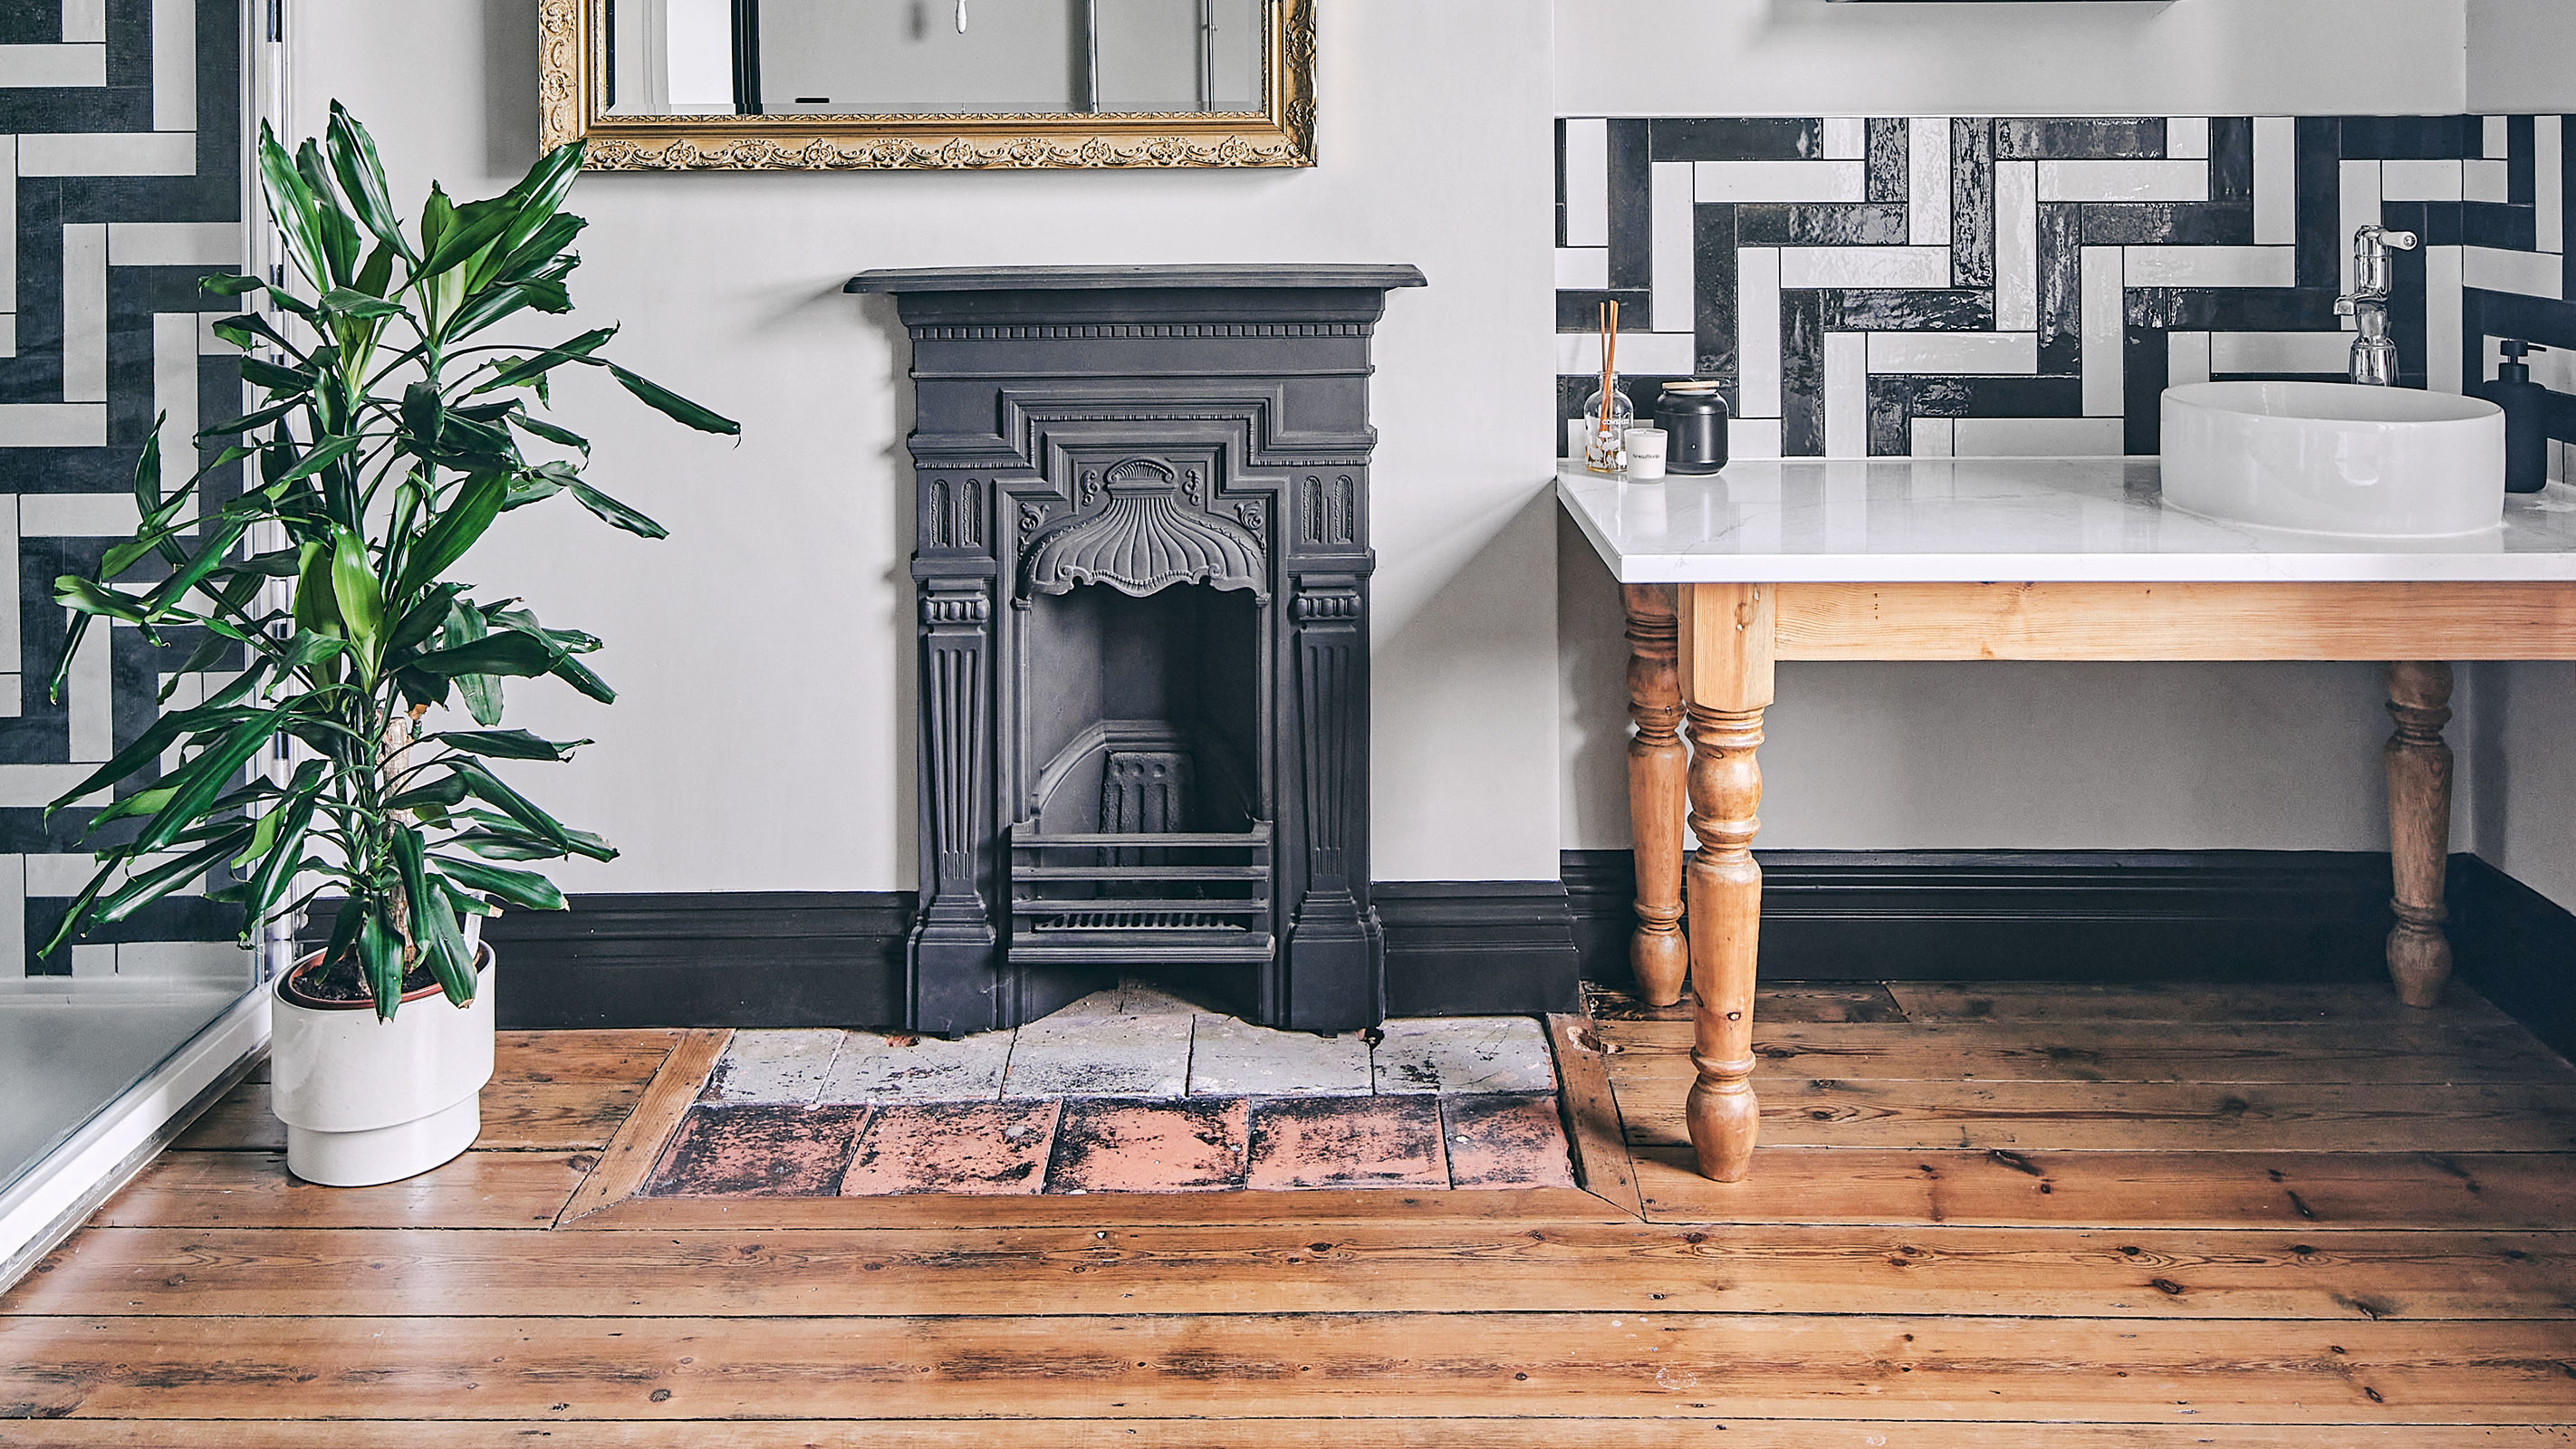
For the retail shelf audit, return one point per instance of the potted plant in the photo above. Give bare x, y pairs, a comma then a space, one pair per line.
385, 445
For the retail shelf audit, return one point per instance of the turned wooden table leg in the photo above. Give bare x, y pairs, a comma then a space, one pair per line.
2419, 828
1657, 954
1726, 653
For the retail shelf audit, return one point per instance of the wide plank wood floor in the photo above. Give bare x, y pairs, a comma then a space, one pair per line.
1985, 1216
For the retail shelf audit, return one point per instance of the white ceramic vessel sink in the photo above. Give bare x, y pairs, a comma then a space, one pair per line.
2330, 457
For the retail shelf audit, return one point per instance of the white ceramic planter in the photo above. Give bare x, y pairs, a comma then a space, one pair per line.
368, 1101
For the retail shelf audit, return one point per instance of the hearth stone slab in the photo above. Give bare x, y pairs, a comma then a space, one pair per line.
762, 1150
1230, 1057
1311, 1142
872, 1068
774, 1066
1505, 1141
1127, 998
1142, 1056
1114, 1145
995, 1149
1464, 1054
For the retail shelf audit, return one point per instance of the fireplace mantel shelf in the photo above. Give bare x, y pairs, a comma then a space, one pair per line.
1378, 278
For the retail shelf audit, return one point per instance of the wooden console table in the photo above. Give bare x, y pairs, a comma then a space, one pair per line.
2055, 559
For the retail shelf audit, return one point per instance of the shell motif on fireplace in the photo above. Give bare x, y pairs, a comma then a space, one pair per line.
1141, 503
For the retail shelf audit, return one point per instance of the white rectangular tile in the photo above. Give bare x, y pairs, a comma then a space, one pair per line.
208, 963
91, 961
174, 244
13, 917
2311, 352
2276, 181
2123, 181
53, 425
8, 334
2443, 342
76, 515
1641, 354
2531, 274
1927, 181
2187, 357
1674, 268
85, 312
2016, 246
1587, 182
2549, 137
174, 65
84, 22
1753, 438
174, 391
50, 876
1757, 333
1463, 1054
1127, 1056
2359, 196
2106, 331
1802, 267
22, 786
2041, 437
89, 697
873, 1067
1234, 1058
1846, 395
2212, 266
1997, 354
1846, 138
2409, 180
164, 153
1582, 269
9, 689
1780, 180
2495, 137
1934, 438
2187, 138
2486, 181
53, 65
208, 344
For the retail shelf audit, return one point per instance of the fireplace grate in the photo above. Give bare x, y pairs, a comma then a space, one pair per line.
1136, 921
1108, 897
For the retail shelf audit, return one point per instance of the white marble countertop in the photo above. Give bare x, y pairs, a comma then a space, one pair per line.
1945, 520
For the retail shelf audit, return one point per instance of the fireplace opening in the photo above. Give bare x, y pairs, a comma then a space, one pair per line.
1144, 836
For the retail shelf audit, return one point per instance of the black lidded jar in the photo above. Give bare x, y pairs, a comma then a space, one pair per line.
1694, 424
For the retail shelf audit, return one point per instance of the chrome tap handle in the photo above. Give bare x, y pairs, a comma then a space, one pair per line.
2370, 248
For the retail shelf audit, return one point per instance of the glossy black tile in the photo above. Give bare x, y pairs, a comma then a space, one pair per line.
1802, 375
2320, 203
2521, 159
1821, 224
1632, 262
1580, 311
2086, 138
1908, 310
1715, 324
2498, 224
1972, 202
1890, 161
2231, 158
1717, 138
2061, 288
2147, 362
2411, 138
2168, 223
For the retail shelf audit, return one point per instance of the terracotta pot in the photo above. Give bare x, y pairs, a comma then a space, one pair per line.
368, 1101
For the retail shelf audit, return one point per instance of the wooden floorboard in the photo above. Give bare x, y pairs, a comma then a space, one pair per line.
2184, 1215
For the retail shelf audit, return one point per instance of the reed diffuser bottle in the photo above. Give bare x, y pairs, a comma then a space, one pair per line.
1605, 447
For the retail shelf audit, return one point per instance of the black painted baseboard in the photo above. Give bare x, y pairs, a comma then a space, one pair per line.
1473, 947
2274, 915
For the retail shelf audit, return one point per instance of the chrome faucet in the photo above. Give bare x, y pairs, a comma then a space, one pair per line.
2374, 356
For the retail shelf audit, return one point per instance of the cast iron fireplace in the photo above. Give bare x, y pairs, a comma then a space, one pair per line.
1141, 496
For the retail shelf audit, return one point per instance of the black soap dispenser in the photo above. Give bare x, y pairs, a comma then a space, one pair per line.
2526, 418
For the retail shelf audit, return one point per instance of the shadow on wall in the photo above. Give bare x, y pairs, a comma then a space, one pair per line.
509, 107
894, 465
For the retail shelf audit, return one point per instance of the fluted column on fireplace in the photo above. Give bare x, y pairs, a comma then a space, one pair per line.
1141, 512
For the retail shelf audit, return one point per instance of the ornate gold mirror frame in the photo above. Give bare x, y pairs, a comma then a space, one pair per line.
573, 60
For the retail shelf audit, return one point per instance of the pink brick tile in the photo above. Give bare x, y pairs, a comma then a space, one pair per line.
1110, 1144
757, 1151
986, 1148
1511, 1140
1346, 1142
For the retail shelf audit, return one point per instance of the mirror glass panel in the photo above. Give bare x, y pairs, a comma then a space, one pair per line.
934, 57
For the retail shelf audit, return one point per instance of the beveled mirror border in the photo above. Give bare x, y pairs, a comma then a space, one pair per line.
572, 53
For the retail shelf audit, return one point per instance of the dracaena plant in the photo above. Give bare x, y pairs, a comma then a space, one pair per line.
386, 443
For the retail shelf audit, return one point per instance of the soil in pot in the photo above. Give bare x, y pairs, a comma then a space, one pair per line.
342, 986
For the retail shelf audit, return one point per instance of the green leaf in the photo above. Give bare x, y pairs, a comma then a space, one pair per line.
249, 328
143, 889
330, 452
74, 592
353, 588
254, 419
477, 224
147, 474
317, 608
380, 952
673, 406
275, 378
508, 745
573, 672
518, 887
528, 369
613, 511
290, 201
539, 427
208, 557
482, 691
422, 619
228, 284
463, 521
357, 306
204, 778
140, 803
506, 653
362, 177
444, 795
331, 225
422, 413
275, 873
263, 838
148, 747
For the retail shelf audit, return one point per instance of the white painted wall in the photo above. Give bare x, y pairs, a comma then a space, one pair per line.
2185, 58
2522, 57
1906, 756
765, 737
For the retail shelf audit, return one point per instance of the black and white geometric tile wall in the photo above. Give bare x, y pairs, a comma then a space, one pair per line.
1954, 286
124, 186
